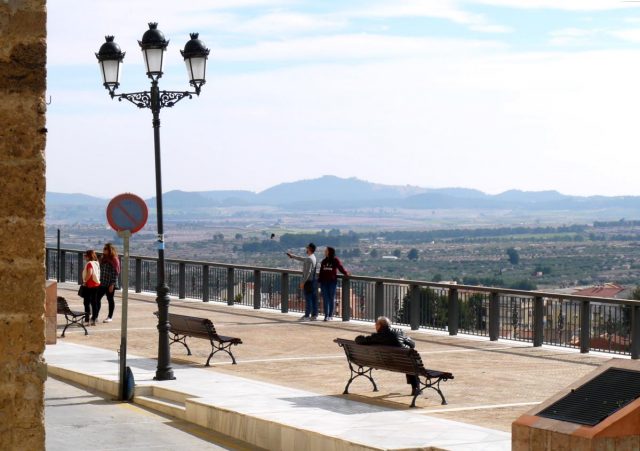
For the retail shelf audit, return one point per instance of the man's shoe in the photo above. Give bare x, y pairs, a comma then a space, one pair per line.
304, 318
93, 323
314, 318
107, 320
326, 319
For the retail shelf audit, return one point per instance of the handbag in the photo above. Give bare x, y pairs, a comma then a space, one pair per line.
308, 287
82, 291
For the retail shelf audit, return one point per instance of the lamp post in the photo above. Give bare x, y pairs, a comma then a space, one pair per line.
153, 46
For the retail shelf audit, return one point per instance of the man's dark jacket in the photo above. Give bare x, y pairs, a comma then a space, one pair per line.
386, 337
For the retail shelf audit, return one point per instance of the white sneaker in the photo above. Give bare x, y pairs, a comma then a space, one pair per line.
107, 320
305, 318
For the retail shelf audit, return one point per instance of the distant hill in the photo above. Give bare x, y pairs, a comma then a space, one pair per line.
336, 189
73, 199
331, 192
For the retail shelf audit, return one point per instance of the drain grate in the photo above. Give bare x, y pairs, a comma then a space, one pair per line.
597, 399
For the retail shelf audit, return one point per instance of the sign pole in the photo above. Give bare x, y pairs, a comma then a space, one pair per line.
126, 214
125, 235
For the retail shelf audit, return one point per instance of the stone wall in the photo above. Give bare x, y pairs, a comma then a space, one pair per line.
22, 195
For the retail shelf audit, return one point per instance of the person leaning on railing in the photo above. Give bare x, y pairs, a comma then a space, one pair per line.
328, 278
386, 336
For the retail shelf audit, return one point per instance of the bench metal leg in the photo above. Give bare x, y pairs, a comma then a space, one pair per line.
224, 347
73, 321
435, 385
360, 372
175, 338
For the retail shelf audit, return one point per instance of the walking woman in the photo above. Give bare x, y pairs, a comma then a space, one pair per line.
328, 278
109, 271
91, 282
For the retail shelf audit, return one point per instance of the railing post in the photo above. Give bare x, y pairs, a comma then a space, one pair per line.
47, 255
585, 326
257, 289
205, 283
379, 300
138, 275
182, 281
230, 286
453, 311
414, 307
63, 265
538, 321
635, 332
345, 305
494, 316
284, 292
80, 267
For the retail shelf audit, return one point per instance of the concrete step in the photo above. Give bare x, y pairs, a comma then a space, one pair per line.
163, 405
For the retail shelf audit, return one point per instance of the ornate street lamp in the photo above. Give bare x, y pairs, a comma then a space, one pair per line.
153, 45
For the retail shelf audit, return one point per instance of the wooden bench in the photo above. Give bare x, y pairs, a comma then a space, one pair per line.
363, 359
73, 317
183, 326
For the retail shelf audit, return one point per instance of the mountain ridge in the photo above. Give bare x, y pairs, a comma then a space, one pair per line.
331, 192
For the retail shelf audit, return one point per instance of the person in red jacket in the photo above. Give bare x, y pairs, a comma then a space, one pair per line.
91, 281
328, 279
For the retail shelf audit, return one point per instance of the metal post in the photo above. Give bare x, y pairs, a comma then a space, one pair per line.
635, 332
138, 275
414, 307
257, 288
453, 315
205, 283
494, 316
379, 300
230, 286
125, 308
58, 258
182, 280
284, 292
47, 256
164, 371
80, 267
345, 306
538, 321
585, 326
62, 269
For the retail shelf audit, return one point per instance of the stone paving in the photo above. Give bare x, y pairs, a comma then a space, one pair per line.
494, 383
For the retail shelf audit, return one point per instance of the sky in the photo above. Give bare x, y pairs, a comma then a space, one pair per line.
486, 94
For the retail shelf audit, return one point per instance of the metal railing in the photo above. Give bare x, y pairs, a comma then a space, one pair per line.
582, 322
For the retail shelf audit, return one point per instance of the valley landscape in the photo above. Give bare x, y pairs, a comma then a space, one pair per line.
388, 231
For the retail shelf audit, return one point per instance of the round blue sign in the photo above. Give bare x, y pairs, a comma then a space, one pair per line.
127, 212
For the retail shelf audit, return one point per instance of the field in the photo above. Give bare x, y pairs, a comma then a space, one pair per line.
443, 245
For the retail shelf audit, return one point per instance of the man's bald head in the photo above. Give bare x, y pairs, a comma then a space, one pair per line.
382, 323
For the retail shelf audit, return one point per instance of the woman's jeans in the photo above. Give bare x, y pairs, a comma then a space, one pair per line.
91, 304
102, 290
328, 297
311, 300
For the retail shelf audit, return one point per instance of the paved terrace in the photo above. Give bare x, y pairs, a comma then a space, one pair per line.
494, 382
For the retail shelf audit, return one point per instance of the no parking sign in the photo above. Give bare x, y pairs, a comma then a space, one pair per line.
126, 214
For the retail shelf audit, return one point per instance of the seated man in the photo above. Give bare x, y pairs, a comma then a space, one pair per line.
386, 336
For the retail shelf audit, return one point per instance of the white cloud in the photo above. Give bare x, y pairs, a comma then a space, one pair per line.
440, 9
280, 23
565, 5
352, 47
631, 35
573, 36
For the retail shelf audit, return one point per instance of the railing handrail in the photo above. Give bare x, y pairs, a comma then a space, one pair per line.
388, 280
